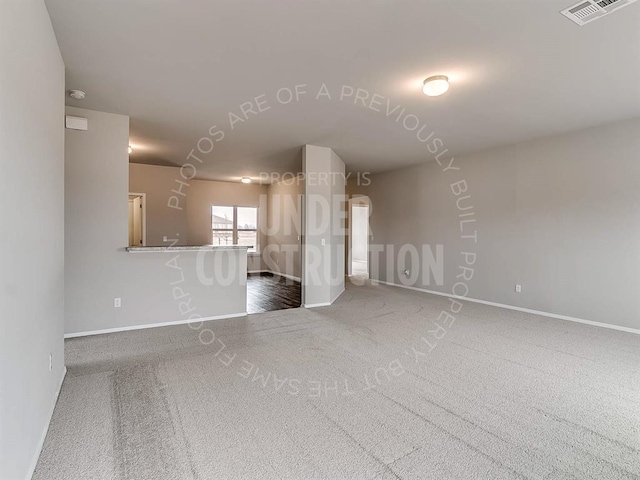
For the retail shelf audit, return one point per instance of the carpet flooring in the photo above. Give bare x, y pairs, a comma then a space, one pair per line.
359, 267
380, 385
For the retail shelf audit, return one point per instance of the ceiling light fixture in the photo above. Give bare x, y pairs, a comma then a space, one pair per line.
130, 149
77, 94
436, 85
245, 180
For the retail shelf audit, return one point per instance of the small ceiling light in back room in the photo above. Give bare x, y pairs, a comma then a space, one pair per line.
246, 180
436, 85
77, 94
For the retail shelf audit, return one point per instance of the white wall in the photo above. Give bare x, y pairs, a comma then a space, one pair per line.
98, 268
558, 215
359, 232
32, 242
323, 264
338, 225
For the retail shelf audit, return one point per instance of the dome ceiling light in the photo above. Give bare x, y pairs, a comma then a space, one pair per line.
436, 85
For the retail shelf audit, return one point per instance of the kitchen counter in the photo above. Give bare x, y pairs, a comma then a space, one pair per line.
185, 248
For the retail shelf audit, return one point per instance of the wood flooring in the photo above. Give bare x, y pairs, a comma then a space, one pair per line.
267, 292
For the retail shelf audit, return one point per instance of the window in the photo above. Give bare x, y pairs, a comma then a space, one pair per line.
235, 226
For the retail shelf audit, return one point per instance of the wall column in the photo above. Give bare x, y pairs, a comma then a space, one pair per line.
323, 226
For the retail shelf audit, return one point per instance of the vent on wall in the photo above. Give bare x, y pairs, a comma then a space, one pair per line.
587, 11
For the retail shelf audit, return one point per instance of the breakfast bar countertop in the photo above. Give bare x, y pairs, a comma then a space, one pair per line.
182, 248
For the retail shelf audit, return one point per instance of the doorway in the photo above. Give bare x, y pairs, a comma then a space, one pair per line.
359, 229
137, 220
277, 284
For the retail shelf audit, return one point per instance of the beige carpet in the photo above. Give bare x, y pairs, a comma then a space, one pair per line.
339, 392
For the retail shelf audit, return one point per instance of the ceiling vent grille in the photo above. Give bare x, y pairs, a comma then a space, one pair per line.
587, 11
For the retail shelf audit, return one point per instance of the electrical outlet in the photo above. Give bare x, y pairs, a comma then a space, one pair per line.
117, 302
323, 242
165, 239
50, 362
518, 288
407, 273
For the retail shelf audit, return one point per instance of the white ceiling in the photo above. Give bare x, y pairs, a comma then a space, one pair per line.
518, 70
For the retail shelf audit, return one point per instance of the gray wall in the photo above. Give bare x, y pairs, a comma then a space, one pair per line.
32, 242
157, 182
204, 193
284, 222
98, 268
559, 216
192, 224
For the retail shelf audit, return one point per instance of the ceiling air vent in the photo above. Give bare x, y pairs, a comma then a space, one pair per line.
587, 11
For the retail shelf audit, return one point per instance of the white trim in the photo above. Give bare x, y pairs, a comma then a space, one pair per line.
338, 295
519, 309
235, 228
152, 325
357, 201
285, 275
314, 305
36, 457
144, 216
324, 304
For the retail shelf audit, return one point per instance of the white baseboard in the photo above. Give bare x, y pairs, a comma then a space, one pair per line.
314, 305
324, 304
36, 457
152, 325
337, 296
286, 275
273, 272
519, 309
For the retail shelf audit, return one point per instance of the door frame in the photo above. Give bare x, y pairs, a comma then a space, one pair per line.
144, 215
357, 201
